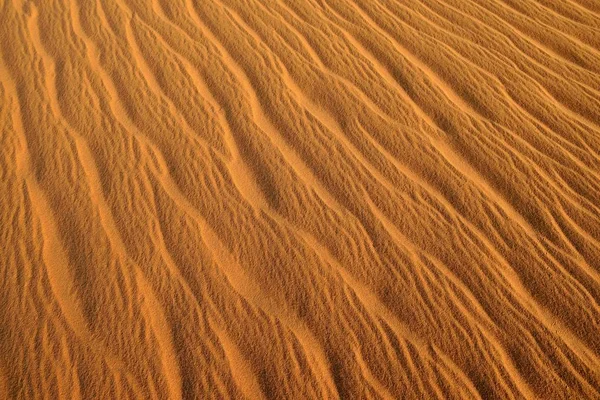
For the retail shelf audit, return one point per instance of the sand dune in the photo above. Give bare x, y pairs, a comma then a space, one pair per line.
277, 199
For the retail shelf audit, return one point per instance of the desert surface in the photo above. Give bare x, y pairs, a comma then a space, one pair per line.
300, 199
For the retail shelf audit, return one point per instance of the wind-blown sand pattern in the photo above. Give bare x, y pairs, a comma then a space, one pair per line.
312, 199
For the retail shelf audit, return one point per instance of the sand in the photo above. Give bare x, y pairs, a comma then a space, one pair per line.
300, 199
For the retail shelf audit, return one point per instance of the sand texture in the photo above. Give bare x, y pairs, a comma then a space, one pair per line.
300, 199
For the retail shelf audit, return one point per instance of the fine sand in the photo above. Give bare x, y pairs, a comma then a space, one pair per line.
300, 199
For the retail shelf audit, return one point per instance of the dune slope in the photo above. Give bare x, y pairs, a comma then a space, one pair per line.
273, 199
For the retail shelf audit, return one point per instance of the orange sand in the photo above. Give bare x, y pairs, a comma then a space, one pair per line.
311, 199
